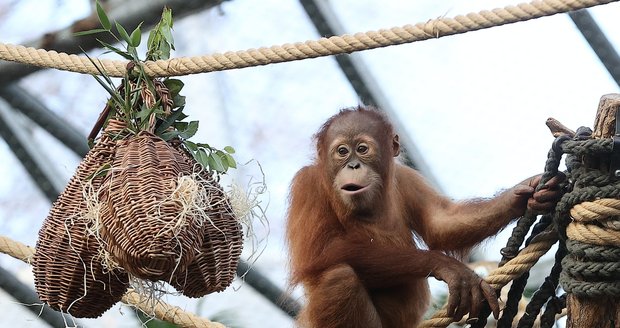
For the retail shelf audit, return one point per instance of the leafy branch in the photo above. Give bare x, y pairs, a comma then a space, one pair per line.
151, 104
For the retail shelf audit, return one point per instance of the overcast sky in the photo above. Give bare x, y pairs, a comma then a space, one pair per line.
474, 104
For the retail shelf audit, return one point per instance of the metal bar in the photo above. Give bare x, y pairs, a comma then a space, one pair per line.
598, 42
12, 129
364, 84
35, 110
269, 290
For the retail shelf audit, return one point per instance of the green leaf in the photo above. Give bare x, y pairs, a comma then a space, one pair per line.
203, 158
216, 163
89, 32
164, 50
143, 115
166, 32
174, 85
190, 145
229, 149
222, 156
136, 36
103, 18
191, 130
122, 53
109, 86
178, 100
168, 135
224, 163
231, 161
180, 126
123, 33
174, 117
166, 17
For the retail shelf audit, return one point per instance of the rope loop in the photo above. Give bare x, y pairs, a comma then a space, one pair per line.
588, 218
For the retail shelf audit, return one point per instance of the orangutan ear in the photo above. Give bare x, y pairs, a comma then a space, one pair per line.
396, 145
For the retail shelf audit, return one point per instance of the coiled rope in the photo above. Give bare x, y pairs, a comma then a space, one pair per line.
434, 28
146, 304
586, 220
591, 215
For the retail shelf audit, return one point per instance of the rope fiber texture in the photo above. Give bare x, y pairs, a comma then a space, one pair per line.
434, 28
585, 221
514, 243
590, 213
501, 276
149, 306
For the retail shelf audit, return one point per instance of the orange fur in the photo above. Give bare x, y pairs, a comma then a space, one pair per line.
361, 268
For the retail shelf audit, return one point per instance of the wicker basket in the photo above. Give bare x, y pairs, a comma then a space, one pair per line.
68, 270
215, 265
141, 223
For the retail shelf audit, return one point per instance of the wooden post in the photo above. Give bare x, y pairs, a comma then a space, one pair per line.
597, 312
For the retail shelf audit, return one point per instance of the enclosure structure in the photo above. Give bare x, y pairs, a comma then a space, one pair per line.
323, 47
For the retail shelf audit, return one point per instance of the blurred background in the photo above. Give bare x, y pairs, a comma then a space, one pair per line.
473, 107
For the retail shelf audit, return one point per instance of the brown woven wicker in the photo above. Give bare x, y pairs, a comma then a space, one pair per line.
140, 220
68, 270
215, 265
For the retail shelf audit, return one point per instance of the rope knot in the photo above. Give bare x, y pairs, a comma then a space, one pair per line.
589, 214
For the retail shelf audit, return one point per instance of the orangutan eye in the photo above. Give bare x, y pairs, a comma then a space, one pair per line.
343, 151
362, 149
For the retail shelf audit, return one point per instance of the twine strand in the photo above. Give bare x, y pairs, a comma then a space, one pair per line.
434, 28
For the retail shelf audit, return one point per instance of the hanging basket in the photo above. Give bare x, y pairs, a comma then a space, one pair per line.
146, 226
215, 264
71, 272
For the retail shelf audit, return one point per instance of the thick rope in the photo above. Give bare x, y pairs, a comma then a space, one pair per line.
17, 250
546, 294
599, 209
159, 309
501, 276
592, 234
434, 28
511, 307
167, 312
519, 232
590, 216
588, 203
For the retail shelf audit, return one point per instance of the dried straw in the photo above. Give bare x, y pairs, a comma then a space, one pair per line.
215, 265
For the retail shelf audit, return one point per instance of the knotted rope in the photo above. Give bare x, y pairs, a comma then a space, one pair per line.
148, 305
590, 213
434, 28
586, 220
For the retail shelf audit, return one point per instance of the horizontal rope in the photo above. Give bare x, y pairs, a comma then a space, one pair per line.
501, 276
588, 289
589, 252
145, 304
591, 271
434, 28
